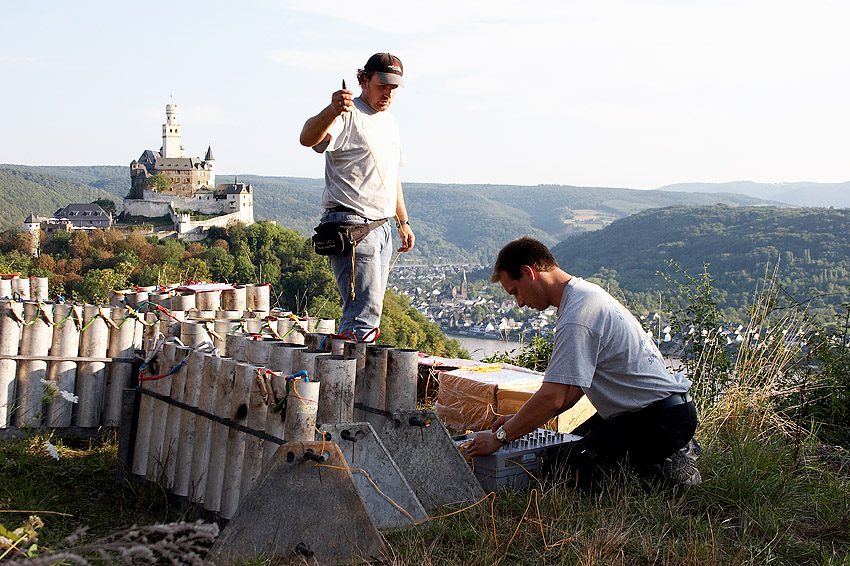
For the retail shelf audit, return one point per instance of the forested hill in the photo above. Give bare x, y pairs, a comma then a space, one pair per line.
452, 222
23, 192
812, 246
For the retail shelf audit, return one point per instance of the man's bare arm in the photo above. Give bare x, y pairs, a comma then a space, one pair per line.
315, 130
405, 232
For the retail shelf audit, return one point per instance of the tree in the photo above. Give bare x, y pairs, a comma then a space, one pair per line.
79, 244
159, 183
478, 313
221, 264
107, 205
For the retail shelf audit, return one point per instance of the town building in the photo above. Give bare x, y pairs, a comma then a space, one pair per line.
72, 217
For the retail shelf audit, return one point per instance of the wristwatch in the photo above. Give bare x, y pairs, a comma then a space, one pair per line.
400, 222
502, 436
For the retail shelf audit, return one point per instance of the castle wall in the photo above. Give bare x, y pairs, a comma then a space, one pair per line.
204, 203
151, 209
192, 231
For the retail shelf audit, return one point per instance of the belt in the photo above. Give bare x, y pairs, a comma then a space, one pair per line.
672, 401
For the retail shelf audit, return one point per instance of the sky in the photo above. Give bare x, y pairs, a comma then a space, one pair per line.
604, 93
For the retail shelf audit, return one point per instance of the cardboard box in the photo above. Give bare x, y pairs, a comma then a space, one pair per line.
472, 398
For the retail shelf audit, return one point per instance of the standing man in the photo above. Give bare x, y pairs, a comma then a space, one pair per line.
360, 140
645, 416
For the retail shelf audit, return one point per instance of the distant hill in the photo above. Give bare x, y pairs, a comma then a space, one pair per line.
471, 222
812, 246
452, 222
23, 192
799, 194
113, 179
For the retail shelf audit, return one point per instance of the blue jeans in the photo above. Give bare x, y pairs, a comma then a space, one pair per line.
372, 257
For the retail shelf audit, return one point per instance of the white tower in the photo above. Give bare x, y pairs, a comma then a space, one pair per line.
171, 133
33, 226
211, 162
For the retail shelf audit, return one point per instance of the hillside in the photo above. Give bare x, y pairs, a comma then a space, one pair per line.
812, 246
24, 192
799, 194
452, 222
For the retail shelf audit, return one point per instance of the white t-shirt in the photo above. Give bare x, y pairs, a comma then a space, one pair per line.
351, 177
602, 348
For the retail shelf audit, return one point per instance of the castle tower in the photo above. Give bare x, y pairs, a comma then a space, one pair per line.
171, 133
33, 226
211, 161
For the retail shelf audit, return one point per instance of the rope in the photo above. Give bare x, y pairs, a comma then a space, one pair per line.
352, 267
377, 332
172, 371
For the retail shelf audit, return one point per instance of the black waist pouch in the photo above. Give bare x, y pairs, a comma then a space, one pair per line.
332, 238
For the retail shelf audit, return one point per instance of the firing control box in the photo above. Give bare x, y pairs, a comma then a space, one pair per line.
514, 464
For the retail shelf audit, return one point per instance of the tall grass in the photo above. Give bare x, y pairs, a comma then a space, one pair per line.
771, 493
768, 495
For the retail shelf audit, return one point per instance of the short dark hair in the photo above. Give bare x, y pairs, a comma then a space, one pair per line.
522, 251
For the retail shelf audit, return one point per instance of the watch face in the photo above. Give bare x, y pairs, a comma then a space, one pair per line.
501, 435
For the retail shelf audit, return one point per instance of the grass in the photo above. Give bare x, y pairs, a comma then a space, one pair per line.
763, 500
74, 494
771, 494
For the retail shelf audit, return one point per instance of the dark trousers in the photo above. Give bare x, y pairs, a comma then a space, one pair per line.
638, 440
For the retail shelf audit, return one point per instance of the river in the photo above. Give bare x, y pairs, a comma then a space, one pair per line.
480, 348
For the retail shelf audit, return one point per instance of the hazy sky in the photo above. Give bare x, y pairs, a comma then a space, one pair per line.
632, 93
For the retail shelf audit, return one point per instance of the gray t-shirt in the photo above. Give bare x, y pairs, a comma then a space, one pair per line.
360, 139
602, 348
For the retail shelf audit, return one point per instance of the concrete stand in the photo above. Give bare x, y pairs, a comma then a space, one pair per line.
429, 459
280, 516
362, 449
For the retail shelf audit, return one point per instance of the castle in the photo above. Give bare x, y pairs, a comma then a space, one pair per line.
166, 183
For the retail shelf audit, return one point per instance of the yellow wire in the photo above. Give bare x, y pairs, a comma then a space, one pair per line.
365, 473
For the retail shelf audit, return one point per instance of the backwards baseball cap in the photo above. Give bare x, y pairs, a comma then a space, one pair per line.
387, 66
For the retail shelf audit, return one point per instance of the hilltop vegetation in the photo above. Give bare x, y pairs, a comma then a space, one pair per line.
621, 237
459, 223
811, 246
25, 192
86, 266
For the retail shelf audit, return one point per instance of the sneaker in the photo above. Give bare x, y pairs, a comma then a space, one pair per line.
693, 449
681, 466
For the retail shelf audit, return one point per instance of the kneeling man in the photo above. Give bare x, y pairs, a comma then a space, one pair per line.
645, 417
